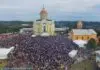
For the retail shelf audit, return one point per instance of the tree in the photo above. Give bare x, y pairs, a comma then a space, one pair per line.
91, 44
98, 41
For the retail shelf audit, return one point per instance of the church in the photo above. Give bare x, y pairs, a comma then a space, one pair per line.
83, 34
44, 25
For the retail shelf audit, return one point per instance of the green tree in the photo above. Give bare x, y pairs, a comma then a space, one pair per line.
91, 44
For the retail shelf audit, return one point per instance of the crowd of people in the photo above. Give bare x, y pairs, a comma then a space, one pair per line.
6, 36
40, 53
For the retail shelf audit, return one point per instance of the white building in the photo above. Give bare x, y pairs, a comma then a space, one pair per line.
26, 30
4, 55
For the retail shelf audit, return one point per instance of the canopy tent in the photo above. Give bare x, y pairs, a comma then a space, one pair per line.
33, 35
73, 53
45, 34
97, 52
4, 52
80, 43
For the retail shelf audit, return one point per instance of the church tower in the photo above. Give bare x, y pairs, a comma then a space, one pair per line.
79, 25
44, 25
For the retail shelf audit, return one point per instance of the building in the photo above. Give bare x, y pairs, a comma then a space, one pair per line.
25, 25
26, 30
44, 25
79, 25
4, 56
83, 34
61, 30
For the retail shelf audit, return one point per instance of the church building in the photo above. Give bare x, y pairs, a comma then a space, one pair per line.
44, 25
79, 25
83, 34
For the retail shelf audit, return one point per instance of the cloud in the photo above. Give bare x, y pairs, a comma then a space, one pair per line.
62, 5
56, 8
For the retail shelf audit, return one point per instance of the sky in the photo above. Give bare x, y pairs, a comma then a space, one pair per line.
68, 10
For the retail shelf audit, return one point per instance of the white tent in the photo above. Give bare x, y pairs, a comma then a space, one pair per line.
45, 34
4, 52
72, 53
33, 35
97, 52
80, 43
97, 55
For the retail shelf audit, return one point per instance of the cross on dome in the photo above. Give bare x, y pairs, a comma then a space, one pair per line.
43, 11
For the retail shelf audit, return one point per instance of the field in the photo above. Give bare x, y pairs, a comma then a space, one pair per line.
85, 65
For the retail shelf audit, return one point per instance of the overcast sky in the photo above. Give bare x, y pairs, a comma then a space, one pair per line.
88, 10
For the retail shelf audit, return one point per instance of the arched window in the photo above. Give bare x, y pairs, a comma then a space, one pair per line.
44, 27
76, 37
82, 38
88, 37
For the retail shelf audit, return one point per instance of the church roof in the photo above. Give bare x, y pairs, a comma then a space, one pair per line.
83, 31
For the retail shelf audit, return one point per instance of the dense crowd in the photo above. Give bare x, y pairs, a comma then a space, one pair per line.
7, 35
40, 53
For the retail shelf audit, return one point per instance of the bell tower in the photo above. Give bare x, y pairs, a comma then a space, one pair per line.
79, 25
44, 26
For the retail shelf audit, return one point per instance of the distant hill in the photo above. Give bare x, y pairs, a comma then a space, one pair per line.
58, 23
11, 26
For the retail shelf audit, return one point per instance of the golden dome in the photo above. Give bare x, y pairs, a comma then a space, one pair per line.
43, 11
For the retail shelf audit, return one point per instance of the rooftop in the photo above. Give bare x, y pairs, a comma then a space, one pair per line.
83, 31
